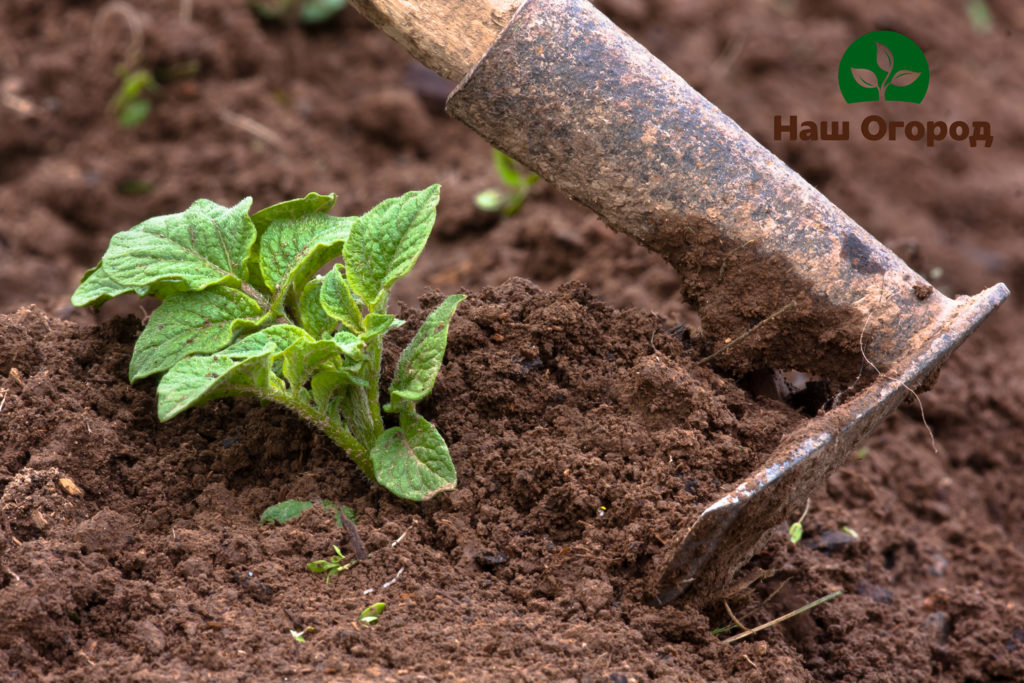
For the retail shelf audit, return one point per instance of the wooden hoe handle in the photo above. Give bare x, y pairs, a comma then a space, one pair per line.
448, 36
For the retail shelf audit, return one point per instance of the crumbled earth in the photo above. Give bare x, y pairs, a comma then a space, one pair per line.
581, 429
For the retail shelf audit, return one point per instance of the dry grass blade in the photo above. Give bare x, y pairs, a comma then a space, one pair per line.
784, 617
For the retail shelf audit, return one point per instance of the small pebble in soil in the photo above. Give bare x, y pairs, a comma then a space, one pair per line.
489, 561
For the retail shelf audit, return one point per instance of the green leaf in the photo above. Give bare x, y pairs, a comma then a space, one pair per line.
349, 344
196, 380
386, 241
312, 316
273, 340
319, 11
377, 324
796, 532
337, 301
506, 168
134, 113
421, 360
293, 208
205, 245
412, 460
339, 510
188, 323
285, 511
370, 615
304, 358
97, 286
294, 249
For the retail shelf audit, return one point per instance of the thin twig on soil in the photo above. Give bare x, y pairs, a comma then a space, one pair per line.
746, 334
920, 405
252, 127
132, 19
784, 617
353, 536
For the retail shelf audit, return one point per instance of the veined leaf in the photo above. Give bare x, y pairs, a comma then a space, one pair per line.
205, 245
285, 511
294, 249
421, 360
274, 340
292, 208
304, 358
337, 301
97, 286
386, 241
196, 380
412, 460
312, 315
349, 344
188, 323
377, 324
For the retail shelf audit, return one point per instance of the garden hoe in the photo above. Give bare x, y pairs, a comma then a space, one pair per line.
782, 279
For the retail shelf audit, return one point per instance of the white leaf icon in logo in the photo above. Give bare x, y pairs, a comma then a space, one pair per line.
865, 77
905, 77
884, 58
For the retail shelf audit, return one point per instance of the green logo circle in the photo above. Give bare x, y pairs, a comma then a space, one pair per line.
883, 66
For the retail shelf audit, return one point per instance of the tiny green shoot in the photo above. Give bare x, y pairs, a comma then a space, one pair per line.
517, 183
863, 453
849, 531
131, 104
332, 565
244, 312
299, 635
796, 529
370, 615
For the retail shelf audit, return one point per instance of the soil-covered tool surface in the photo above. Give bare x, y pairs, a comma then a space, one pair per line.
583, 431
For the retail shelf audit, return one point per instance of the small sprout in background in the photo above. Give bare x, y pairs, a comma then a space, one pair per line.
601, 510
851, 532
863, 453
307, 12
517, 182
298, 635
370, 615
979, 16
796, 529
130, 103
330, 566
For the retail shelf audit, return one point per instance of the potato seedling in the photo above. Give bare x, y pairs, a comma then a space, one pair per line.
244, 312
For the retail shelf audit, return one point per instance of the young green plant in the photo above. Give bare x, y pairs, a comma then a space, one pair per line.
517, 181
332, 565
244, 312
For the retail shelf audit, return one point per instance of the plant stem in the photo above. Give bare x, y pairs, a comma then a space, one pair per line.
335, 430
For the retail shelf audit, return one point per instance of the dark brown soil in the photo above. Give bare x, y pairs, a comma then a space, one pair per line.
582, 433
